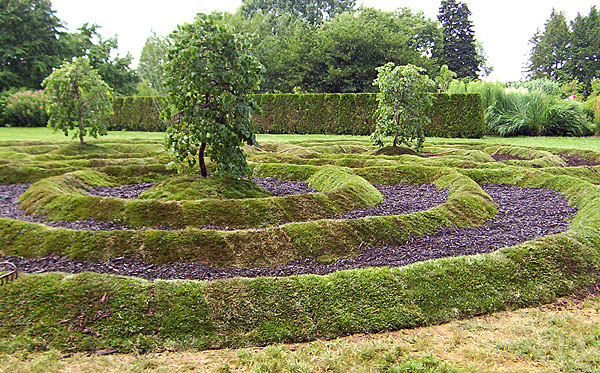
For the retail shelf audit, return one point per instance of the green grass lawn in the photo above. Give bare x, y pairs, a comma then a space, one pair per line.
47, 135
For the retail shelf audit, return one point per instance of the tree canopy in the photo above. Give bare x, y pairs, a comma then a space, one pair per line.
405, 93
567, 52
33, 42
151, 66
549, 52
342, 53
30, 44
211, 78
313, 11
113, 69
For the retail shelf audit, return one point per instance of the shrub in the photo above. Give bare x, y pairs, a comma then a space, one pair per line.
24, 109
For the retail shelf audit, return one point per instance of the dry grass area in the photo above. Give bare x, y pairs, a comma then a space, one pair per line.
564, 336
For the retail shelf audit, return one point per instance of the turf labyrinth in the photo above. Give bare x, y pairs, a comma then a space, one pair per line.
117, 251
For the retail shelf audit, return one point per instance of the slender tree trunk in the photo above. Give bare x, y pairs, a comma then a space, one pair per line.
396, 139
201, 160
79, 114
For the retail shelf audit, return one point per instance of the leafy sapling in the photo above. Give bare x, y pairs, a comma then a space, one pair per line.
78, 100
405, 95
210, 78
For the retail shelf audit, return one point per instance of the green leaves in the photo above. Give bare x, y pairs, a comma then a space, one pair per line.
210, 78
79, 100
29, 43
403, 98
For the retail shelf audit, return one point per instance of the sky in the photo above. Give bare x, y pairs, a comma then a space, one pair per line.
503, 27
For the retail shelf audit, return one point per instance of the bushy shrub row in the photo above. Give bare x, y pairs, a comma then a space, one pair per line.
457, 115
23, 109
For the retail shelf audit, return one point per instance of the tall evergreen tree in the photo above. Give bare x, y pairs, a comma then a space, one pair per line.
459, 51
550, 48
30, 43
583, 63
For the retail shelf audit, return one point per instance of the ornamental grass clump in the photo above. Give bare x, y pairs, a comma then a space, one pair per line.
535, 113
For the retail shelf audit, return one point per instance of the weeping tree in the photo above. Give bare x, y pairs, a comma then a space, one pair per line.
210, 78
405, 94
78, 100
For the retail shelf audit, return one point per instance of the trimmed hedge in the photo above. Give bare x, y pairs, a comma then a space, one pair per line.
138, 113
453, 115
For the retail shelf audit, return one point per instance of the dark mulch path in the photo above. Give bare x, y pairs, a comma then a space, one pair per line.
9, 208
279, 187
127, 191
523, 214
508, 157
575, 161
398, 199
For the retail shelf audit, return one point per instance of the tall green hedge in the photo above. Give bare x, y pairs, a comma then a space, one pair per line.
453, 115
138, 113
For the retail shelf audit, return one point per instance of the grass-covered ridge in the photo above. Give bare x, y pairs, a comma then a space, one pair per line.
467, 205
90, 311
66, 197
194, 187
45, 309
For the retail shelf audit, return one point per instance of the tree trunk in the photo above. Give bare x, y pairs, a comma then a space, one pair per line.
79, 114
201, 160
395, 140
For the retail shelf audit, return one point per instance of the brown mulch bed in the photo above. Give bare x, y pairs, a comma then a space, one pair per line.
576, 161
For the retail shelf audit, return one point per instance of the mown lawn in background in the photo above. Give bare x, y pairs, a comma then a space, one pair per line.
47, 135
564, 336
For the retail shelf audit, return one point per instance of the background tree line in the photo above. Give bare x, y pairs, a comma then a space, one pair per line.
304, 45
568, 52
332, 46
33, 41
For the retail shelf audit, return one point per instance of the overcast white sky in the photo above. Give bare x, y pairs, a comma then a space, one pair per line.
504, 27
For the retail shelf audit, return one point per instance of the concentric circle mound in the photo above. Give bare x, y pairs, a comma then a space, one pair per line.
328, 239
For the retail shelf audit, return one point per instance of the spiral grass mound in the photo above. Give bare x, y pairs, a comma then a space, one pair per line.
89, 311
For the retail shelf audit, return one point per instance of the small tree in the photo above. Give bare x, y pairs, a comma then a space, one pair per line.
79, 100
404, 95
210, 78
